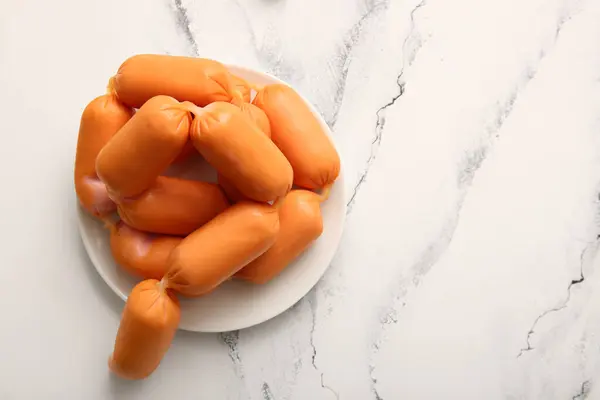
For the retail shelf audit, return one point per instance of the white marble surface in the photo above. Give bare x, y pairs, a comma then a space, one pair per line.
470, 133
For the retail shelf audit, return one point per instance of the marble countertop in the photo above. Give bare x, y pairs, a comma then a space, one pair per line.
470, 136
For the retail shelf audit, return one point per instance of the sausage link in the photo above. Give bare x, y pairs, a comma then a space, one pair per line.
147, 328
232, 193
222, 247
141, 254
198, 80
300, 137
241, 152
257, 116
100, 120
174, 206
144, 147
262, 122
300, 224
187, 151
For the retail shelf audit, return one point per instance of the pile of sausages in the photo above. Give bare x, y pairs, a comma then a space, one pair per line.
274, 163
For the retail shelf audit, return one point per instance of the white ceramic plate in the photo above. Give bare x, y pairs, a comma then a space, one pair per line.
235, 304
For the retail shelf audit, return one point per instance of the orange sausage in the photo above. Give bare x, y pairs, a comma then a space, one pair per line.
242, 87
144, 147
147, 328
142, 254
299, 135
198, 80
100, 120
300, 224
257, 116
186, 152
232, 193
174, 206
240, 151
260, 119
222, 247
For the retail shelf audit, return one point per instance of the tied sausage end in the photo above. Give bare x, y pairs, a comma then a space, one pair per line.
324, 195
111, 87
255, 87
237, 98
187, 106
163, 285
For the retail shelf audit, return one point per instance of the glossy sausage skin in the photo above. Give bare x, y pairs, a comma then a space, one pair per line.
257, 116
101, 119
232, 193
222, 247
241, 152
144, 147
187, 151
299, 135
300, 224
262, 122
174, 206
147, 328
141, 254
198, 80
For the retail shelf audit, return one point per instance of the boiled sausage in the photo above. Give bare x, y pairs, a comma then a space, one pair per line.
198, 80
142, 254
222, 247
300, 224
174, 206
262, 122
147, 328
144, 147
300, 136
240, 151
257, 116
100, 120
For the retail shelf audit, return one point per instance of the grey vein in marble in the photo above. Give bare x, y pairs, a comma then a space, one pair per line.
583, 391
266, 392
248, 22
231, 339
183, 23
311, 298
270, 55
324, 386
473, 162
380, 113
563, 305
351, 38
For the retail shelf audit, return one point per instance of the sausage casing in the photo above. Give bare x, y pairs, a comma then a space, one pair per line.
141, 254
299, 135
262, 122
242, 87
144, 147
187, 151
222, 247
257, 116
148, 325
240, 151
198, 80
101, 119
174, 206
300, 224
